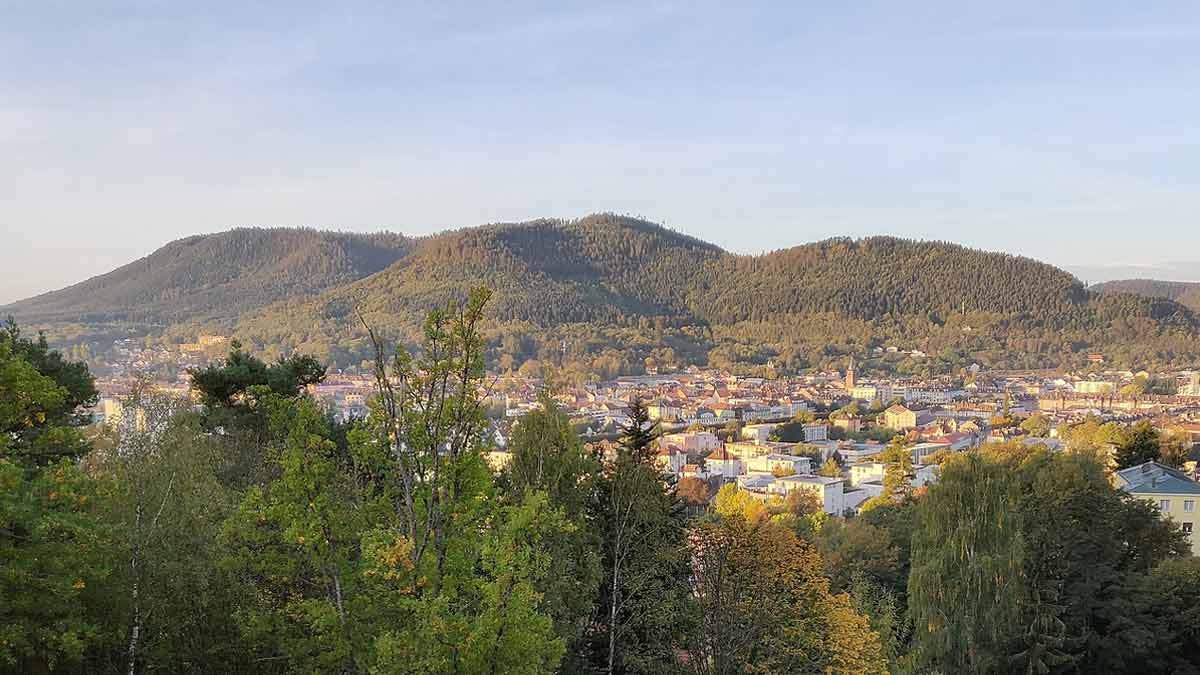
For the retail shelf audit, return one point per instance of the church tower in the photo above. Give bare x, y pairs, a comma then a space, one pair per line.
850, 375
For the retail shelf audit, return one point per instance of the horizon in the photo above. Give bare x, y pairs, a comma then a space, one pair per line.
1049, 133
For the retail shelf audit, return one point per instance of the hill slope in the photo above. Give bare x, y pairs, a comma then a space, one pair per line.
607, 294
607, 281
217, 276
1184, 292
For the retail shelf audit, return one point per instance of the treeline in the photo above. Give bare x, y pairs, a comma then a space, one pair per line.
258, 534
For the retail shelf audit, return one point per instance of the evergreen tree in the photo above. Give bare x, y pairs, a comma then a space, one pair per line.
643, 597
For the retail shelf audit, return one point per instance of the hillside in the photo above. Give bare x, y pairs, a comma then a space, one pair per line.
1183, 292
604, 293
216, 276
609, 294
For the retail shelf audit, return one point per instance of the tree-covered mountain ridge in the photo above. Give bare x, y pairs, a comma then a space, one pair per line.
1186, 293
622, 289
218, 276
604, 267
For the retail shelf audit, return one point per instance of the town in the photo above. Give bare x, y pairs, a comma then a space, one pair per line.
823, 432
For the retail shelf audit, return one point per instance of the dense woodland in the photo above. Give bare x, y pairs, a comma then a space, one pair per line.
258, 535
1184, 292
607, 295
216, 276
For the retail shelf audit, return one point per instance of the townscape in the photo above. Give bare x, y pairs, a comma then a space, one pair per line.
771, 436
578, 338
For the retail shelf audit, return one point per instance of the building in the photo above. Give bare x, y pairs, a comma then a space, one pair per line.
1170, 489
899, 418
723, 463
758, 432
1095, 387
828, 490
777, 463
695, 442
815, 432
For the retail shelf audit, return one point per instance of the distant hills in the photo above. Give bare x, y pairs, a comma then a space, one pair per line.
1184, 292
607, 294
218, 276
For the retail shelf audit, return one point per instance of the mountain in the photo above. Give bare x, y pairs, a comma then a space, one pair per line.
217, 276
1184, 292
577, 290
608, 294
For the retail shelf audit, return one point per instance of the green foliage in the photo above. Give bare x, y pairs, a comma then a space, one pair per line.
218, 275
1034, 561
229, 383
643, 601
52, 561
965, 586
1036, 425
162, 500
622, 293
52, 547
40, 398
547, 458
1139, 444
764, 605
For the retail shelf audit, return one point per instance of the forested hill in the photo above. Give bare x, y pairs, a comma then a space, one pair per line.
609, 294
1183, 292
217, 275
608, 283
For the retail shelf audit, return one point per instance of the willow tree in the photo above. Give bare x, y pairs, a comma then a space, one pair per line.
966, 588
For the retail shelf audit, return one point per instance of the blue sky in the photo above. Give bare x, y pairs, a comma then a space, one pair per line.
1064, 131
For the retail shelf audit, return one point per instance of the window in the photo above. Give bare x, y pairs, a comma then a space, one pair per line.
1189, 505
1164, 504
1187, 528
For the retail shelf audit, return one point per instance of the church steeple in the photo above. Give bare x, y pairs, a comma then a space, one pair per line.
850, 374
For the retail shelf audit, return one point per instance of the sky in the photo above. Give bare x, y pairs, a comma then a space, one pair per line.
1065, 131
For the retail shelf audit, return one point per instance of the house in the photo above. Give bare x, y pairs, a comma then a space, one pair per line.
697, 442
757, 432
1170, 489
899, 418
724, 463
670, 458
849, 424
866, 472
664, 410
815, 432
777, 463
828, 490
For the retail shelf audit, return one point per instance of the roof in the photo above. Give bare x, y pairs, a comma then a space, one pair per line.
1157, 479
898, 409
820, 480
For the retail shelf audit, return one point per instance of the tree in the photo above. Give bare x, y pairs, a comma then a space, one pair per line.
41, 397
1036, 425
548, 458
897, 475
52, 547
642, 528
226, 384
965, 588
765, 607
294, 542
164, 504
1139, 444
830, 469
1034, 561
693, 491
